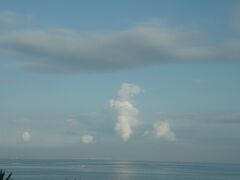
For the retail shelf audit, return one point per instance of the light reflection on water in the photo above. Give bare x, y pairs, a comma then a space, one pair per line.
117, 170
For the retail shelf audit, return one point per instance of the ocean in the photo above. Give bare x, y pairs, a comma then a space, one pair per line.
117, 170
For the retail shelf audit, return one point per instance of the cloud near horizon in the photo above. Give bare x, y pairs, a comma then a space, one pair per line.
126, 112
26, 136
69, 51
163, 130
87, 139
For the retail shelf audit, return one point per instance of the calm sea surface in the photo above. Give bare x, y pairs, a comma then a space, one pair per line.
117, 170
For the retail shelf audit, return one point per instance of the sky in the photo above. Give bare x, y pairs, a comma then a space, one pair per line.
124, 80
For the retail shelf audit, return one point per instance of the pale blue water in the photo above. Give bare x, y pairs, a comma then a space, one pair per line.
118, 170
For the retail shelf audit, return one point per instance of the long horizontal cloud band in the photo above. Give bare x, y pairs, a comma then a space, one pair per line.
69, 51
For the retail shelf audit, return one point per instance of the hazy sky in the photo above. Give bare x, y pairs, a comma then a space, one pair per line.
129, 79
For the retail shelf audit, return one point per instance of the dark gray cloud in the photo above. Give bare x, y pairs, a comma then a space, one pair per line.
68, 51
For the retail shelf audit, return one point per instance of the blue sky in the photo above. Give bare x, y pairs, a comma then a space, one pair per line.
141, 80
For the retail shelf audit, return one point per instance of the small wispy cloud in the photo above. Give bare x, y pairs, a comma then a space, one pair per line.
7, 17
11, 18
22, 121
127, 112
87, 139
71, 122
163, 130
26, 136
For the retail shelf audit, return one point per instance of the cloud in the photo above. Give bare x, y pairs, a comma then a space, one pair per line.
210, 117
26, 136
7, 17
71, 122
127, 112
69, 51
127, 91
87, 139
10, 18
163, 130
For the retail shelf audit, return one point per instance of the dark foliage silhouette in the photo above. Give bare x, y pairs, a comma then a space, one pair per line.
2, 175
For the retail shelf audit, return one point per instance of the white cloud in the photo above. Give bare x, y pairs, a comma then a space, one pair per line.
127, 113
163, 130
87, 139
26, 136
68, 51
127, 91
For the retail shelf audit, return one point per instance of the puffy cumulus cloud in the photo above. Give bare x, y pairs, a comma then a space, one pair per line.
128, 90
127, 113
87, 139
26, 136
69, 51
163, 130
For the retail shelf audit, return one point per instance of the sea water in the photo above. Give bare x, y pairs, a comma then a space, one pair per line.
117, 170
